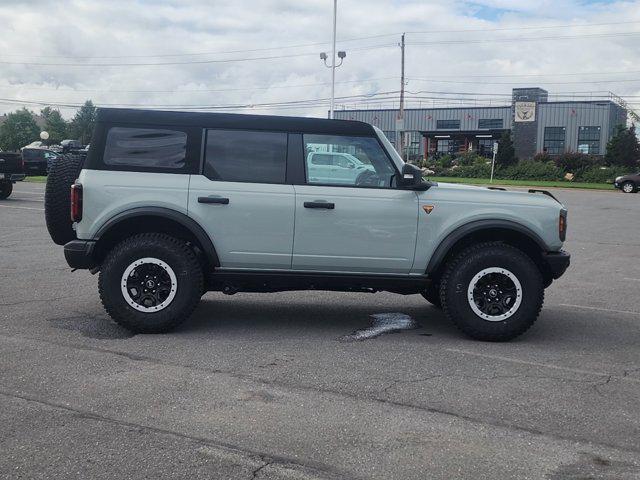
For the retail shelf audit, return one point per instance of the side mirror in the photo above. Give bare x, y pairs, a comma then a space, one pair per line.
411, 178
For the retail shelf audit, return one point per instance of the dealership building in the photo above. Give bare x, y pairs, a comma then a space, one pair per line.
537, 125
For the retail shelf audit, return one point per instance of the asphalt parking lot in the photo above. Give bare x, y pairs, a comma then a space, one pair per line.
260, 387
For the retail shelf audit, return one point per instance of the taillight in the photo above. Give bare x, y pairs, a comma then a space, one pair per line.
76, 202
562, 225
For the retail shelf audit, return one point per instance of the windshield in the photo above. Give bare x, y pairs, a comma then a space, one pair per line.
397, 159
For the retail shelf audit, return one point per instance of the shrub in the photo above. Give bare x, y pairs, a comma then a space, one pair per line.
506, 155
469, 158
601, 174
469, 171
530, 170
542, 157
575, 162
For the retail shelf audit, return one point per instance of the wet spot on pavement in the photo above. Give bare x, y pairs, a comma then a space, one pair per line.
92, 326
382, 323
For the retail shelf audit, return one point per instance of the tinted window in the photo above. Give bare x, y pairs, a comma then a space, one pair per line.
448, 124
347, 161
145, 147
554, 140
246, 156
589, 140
489, 123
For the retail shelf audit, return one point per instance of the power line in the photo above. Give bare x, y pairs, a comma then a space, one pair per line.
190, 62
200, 90
524, 39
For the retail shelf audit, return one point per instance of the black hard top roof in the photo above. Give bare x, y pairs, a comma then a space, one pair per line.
234, 121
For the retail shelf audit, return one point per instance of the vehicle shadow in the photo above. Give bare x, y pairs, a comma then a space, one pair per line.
309, 313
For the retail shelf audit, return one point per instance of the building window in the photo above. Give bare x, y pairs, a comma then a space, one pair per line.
554, 140
485, 147
448, 124
490, 123
589, 140
246, 156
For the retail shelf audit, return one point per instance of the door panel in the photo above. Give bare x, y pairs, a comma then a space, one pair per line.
367, 230
252, 228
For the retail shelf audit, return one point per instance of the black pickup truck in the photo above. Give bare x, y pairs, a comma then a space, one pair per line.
11, 171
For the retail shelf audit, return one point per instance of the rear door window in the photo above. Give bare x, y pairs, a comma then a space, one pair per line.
145, 147
246, 156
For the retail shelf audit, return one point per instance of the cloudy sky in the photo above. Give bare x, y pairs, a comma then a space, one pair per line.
263, 56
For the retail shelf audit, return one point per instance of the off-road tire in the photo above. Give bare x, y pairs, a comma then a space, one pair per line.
458, 275
182, 260
432, 295
633, 187
6, 188
57, 198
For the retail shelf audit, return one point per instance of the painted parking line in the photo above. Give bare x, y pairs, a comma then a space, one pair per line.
585, 307
25, 192
632, 279
23, 208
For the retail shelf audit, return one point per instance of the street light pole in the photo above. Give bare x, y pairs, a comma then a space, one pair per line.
333, 66
333, 60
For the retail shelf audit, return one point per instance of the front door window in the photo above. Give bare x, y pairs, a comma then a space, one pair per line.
347, 161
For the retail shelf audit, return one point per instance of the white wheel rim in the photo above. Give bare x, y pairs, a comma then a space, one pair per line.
474, 283
125, 289
627, 187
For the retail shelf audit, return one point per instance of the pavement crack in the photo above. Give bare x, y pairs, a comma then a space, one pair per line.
265, 463
313, 469
378, 398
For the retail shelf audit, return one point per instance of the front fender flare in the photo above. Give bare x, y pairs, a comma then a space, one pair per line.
476, 226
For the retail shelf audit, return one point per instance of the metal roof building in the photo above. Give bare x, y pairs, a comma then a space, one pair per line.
537, 125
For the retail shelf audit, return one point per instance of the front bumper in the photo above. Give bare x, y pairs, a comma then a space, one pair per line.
79, 254
558, 262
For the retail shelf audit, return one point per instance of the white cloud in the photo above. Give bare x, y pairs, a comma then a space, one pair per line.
43, 31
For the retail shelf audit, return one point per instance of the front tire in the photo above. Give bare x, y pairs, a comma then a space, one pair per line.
5, 190
432, 295
629, 187
492, 291
150, 283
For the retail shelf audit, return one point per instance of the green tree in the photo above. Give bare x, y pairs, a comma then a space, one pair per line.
506, 153
623, 148
55, 125
19, 129
83, 122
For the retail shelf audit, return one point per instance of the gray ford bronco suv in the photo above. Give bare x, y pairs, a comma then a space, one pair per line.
170, 205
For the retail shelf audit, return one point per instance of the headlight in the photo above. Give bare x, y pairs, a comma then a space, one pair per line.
618, 179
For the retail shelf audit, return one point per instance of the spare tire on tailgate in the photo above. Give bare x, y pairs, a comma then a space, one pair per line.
57, 198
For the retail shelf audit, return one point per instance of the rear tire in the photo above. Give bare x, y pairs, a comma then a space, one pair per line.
57, 198
492, 291
629, 187
175, 283
6, 188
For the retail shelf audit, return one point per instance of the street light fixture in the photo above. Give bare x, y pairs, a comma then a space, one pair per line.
333, 66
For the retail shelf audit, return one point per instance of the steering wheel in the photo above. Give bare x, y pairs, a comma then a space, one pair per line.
368, 179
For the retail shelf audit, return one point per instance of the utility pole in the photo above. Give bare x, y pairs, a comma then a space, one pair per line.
400, 120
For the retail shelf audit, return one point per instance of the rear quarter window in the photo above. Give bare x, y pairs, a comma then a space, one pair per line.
154, 148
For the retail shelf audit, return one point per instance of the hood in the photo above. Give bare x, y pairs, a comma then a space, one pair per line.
489, 195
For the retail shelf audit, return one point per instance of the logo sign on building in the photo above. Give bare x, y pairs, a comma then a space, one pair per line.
525, 112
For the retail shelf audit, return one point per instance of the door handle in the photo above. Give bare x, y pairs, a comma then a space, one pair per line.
221, 200
327, 205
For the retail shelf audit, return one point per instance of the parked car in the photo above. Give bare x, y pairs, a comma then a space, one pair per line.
11, 171
169, 205
38, 160
334, 167
628, 183
68, 145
